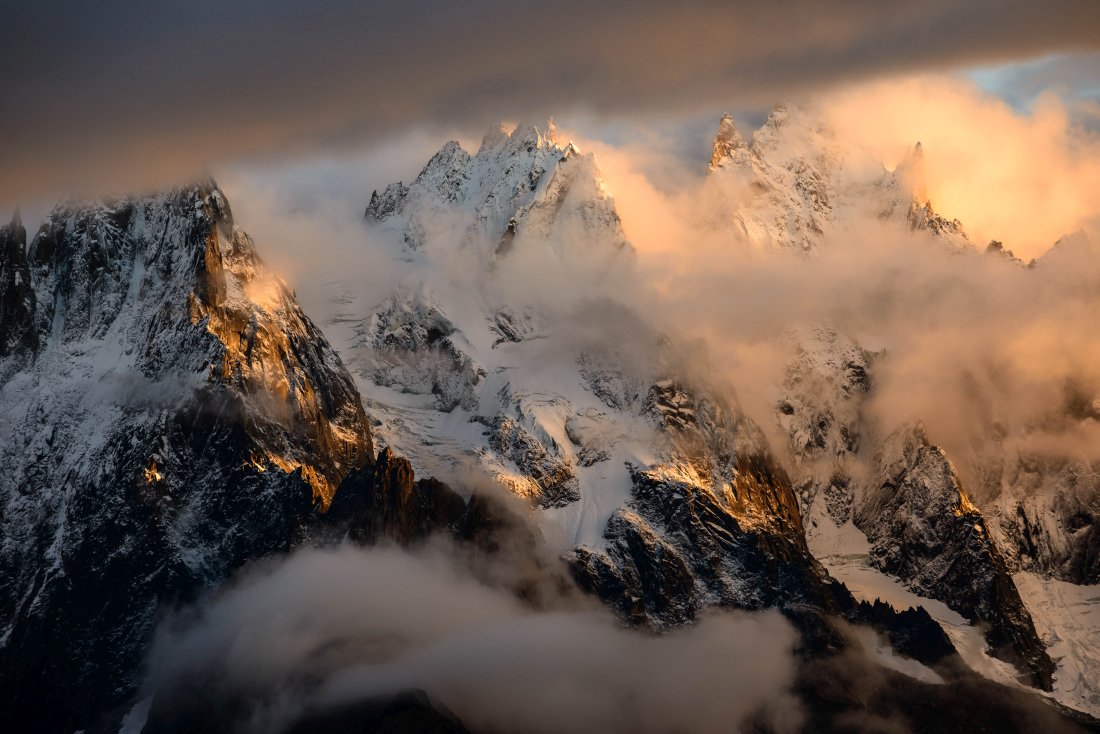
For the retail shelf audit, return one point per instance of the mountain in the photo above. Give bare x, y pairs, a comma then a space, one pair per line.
883, 502
792, 185
666, 498
663, 495
169, 413
645, 475
790, 188
520, 186
901, 492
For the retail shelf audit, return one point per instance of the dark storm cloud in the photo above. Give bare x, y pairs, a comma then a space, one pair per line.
154, 88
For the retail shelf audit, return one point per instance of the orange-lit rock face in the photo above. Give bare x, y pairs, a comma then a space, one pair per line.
269, 350
714, 448
152, 473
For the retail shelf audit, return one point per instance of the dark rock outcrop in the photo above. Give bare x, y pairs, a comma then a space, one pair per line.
409, 712
17, 298
556, 482
925, 531
386, 501
677, 548
912, 631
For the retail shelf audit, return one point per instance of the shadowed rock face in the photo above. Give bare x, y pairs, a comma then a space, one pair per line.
407, 712
922, 527
386, 501
17, 301
925, 531
172, 415
912, 632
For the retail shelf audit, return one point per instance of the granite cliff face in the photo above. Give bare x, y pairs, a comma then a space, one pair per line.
169, 413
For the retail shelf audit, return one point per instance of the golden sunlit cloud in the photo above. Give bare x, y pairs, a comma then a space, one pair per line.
1025, 179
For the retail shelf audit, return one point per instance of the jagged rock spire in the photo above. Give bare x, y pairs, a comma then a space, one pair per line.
726, 141
523, 181
911, 173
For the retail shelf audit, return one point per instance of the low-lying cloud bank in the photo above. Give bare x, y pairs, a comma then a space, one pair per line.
326, 629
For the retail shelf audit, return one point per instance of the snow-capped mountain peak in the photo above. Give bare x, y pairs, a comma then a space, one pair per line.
522, 184
792, 188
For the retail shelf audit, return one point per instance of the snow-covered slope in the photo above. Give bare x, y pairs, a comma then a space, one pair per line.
168, 412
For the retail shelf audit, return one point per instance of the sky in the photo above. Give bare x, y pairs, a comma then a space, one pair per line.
109, 96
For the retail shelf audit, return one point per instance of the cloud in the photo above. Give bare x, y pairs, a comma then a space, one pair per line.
996, 359
112, 95
329, 628
1025, 178
982, 350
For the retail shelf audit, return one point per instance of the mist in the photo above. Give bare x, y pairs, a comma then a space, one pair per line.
993, 356
327, 628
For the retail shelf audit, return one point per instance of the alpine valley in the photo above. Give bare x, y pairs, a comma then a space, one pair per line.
171, 420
